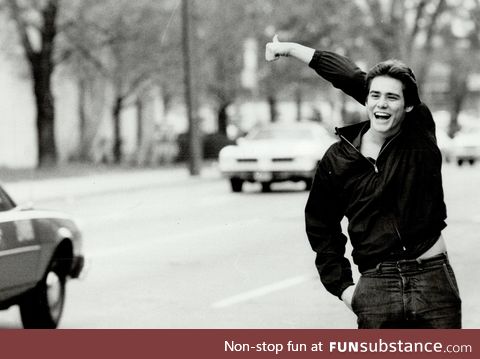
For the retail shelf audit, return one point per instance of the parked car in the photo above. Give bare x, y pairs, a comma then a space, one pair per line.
275, 153
466, 147
39, 251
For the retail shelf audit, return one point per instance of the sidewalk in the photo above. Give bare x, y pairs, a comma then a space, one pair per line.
63, 188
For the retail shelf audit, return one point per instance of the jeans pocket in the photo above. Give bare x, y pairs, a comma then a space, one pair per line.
451, 279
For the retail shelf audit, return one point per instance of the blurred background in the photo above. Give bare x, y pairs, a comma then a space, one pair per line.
135, 100
130, 83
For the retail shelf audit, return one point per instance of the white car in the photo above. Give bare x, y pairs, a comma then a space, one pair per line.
276, 152
466, 147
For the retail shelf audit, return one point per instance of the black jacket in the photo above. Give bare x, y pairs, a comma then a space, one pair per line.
394, 206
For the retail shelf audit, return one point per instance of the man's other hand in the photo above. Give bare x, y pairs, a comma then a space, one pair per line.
347, 296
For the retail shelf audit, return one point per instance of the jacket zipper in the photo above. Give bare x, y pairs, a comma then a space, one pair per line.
399, 236
374, 164
375, 168
377, 171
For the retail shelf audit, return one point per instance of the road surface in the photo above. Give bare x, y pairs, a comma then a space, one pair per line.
191, 254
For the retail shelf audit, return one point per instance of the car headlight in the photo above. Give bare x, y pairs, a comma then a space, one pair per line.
307, 162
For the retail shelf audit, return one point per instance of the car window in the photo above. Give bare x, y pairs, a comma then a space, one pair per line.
282, 134
6, 203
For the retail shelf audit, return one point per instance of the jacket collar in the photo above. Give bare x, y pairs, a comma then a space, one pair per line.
353, 133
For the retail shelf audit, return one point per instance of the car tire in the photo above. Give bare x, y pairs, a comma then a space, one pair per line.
459, 162
266, 187
42, 306
236, 184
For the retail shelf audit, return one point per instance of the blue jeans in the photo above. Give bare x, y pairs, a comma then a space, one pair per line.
408, 294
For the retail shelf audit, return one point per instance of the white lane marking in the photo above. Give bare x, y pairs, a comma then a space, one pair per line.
259, 292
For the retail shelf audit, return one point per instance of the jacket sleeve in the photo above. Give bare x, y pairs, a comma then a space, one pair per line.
341, 72
323, 213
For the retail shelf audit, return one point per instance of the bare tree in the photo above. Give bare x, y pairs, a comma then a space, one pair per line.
224, 27
462, 57
123, 40
398, 26
328, 24
36, 23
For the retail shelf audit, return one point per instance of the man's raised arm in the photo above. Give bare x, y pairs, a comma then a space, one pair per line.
339, 70
276, 49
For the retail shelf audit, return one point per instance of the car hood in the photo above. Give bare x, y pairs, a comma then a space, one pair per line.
467, 140
276, 148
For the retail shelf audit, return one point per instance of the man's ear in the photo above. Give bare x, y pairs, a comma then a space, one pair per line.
408, 108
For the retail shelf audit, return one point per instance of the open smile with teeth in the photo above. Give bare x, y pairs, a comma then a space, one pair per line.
382, 115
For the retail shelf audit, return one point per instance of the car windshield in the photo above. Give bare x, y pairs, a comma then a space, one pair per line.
6, 203
282, 134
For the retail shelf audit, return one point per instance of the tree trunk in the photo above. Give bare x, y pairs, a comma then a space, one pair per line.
425, 65
194, 128
83, 150
117, 136
47, 151
298, 102
272, 103
140, 119
458, 86
42, 66
222, 118
459, 90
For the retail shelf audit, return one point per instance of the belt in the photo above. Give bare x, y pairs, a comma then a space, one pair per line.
408, 264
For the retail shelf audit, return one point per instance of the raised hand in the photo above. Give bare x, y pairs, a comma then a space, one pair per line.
274, 49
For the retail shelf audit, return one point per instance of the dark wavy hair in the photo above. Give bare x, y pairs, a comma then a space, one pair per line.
397, 70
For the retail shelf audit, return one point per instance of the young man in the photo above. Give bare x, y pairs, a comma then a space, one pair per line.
384, 175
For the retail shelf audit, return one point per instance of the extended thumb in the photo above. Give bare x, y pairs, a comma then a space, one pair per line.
275, 38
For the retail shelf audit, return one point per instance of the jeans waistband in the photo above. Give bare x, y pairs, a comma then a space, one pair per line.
405, 265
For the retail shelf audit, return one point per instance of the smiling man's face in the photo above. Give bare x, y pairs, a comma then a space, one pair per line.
386, 105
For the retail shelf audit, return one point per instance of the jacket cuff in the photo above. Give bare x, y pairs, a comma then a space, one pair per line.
315, 59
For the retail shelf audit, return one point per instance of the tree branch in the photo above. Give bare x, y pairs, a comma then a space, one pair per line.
375, 10
433, 22
88, 55
420, 10
423, 70
49, 30
22, 30
141, 80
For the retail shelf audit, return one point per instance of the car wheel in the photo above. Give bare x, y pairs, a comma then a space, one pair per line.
266, 186
42, 306
472, 162
460, 162
236, 184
